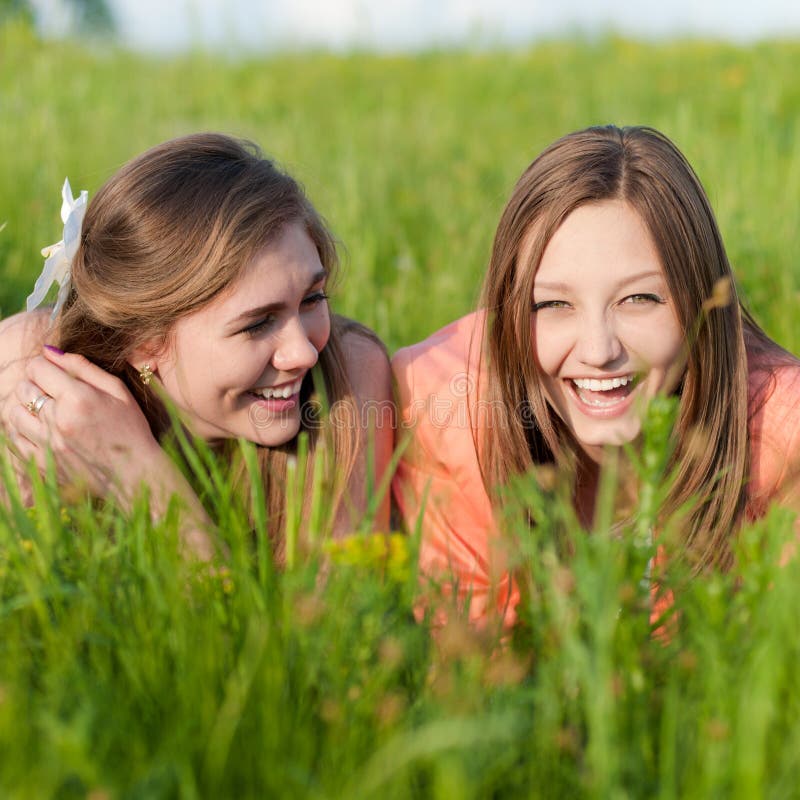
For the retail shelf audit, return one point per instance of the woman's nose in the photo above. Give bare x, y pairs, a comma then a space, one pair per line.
294, 350
598, 343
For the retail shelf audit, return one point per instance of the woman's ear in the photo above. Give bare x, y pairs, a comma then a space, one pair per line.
145, 359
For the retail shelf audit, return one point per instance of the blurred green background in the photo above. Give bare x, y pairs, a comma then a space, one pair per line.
411, 158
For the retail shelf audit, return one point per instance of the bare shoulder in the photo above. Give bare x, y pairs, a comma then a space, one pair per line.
370, 376
367, 362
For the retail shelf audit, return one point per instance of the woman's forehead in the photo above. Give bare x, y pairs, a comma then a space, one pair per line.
609, 235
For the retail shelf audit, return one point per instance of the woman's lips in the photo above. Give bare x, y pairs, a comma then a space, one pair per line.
603, 403
276, 404
277, 399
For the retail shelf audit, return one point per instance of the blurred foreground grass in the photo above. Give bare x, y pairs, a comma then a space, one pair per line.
127, 672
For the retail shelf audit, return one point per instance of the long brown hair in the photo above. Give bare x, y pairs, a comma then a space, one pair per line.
166, 235
644, 168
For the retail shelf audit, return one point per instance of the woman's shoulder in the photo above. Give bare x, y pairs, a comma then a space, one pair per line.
443, 360
773, 384
366, 360
774, 421
437, 384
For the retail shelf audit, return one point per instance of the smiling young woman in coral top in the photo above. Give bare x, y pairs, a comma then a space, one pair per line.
608, 285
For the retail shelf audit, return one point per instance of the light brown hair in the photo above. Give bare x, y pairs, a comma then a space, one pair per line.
166, 235
643, 168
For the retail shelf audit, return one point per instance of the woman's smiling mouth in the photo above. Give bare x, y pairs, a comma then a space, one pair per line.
283, 391
605, 397
278, 398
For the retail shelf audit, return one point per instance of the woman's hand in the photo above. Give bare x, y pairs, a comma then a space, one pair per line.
21, 336
99, 438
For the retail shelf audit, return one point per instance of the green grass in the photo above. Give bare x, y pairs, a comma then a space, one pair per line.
127, 672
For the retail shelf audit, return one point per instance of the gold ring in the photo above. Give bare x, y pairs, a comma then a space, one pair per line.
35, 406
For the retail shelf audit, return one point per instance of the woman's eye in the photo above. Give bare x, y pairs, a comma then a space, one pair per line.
310, 301
640, 299
315, 299
550, 304
259, 326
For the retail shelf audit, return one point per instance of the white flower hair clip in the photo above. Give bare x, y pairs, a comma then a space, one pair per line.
58, 266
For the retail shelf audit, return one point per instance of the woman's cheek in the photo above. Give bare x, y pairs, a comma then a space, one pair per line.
657, 340
551, 344
321, 330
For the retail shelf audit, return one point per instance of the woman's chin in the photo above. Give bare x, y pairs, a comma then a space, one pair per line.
597, 438
277, 434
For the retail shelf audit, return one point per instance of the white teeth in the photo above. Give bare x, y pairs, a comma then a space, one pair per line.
282, 392
604, 385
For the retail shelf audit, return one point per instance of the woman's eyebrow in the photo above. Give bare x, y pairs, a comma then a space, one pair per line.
560, 286
258, 311
650, 273
556, 287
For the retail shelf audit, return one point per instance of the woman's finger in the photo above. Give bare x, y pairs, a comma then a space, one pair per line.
31, 413
22, 424
49, 377
31, 442
79, 367
24, 451
28, 392
23, 483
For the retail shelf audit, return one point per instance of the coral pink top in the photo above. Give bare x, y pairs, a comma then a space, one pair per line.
439, 410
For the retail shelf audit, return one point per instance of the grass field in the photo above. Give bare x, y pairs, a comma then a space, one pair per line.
127, 672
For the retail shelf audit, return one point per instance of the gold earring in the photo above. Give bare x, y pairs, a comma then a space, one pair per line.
146, 374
